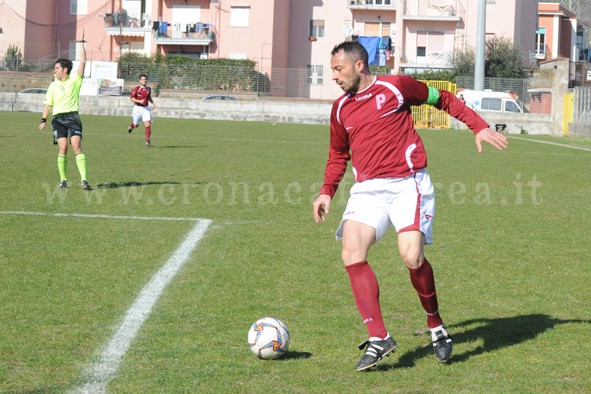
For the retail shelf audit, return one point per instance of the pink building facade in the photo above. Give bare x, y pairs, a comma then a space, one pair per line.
280, 35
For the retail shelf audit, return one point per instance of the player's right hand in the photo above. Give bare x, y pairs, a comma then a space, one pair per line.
42, 126
321, 207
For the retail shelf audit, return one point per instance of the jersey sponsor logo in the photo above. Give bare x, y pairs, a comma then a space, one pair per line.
364, 97
428, 217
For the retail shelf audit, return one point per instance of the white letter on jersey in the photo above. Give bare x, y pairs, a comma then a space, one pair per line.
380, 100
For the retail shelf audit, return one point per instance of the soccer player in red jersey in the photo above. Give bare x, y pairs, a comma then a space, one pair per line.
371, 125
141, 95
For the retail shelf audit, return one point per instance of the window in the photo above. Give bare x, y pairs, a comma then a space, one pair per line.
430, 43
78, 7
74, 54
510, 106
541, 41
377, 29
316, 28
239, 16
490, 104
315, 74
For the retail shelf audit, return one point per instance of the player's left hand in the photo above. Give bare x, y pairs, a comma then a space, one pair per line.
498, 140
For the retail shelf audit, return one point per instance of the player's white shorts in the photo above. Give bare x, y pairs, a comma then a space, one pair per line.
141, 114
406, 203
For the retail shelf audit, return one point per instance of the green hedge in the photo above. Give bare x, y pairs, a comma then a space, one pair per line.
185, 73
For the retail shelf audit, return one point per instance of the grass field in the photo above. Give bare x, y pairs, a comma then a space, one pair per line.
511, 259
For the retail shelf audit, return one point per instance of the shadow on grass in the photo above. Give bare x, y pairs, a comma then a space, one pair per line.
180, 146
494, 334
290, 355
113, 185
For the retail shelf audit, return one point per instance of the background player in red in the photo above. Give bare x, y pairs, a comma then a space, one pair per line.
371, 125
141, 95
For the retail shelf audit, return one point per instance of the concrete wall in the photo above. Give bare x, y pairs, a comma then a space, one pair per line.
304, 112
517, 123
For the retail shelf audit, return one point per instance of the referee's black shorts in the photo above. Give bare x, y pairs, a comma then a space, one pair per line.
67, 125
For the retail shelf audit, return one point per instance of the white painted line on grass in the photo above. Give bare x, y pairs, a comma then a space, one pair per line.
554, 143
92, 216
100, 372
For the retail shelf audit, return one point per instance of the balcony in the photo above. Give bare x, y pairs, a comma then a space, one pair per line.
371, 4
437, 11
190, 34
128, 25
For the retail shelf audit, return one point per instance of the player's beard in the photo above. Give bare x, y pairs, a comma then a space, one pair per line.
355, 82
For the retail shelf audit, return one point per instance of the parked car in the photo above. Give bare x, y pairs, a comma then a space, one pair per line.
34, 90
219, 97
489, 101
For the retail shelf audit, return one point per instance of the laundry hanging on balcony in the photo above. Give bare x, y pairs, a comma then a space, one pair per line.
372, 46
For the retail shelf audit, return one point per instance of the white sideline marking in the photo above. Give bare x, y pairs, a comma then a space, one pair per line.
553, 143
100, 372
82, 215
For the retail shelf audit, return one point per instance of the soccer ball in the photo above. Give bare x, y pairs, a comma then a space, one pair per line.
268, 338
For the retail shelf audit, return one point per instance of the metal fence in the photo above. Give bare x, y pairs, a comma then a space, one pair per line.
427, 116
282, 82
513, 85
582, 105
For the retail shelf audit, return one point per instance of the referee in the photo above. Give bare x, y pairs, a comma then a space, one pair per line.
63, 95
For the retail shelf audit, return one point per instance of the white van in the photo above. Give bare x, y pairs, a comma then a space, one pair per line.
490, 101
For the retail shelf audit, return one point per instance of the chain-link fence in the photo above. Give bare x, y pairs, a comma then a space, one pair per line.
285, 82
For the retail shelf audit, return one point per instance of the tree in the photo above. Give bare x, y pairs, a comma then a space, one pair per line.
503, 59
464, 62
13, 58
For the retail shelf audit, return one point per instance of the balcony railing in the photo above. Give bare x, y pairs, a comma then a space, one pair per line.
188, 34
164, 33
371, 4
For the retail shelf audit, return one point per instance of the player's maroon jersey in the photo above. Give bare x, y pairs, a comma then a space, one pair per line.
374, 128
141, 93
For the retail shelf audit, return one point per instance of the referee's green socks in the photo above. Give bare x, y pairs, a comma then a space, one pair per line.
62, 166
81, 163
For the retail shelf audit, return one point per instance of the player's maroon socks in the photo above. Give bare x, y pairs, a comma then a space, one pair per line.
367, 297
148, 133
424, 283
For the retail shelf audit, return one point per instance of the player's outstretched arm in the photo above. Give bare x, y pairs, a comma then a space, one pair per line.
321, 207
498, 140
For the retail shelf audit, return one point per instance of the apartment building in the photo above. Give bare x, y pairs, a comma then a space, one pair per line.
279, 35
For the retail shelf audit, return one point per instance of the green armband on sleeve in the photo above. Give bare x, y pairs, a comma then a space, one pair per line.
433, 96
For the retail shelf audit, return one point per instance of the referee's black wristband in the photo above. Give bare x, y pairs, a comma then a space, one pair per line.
43, 120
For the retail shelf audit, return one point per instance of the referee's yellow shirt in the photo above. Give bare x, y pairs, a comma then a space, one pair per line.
64, 96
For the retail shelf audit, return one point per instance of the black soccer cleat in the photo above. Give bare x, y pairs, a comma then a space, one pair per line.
442, 344
85, 185
63, 184
129, 129
374, 352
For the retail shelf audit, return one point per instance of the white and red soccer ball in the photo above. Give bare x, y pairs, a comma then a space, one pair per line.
268, 338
